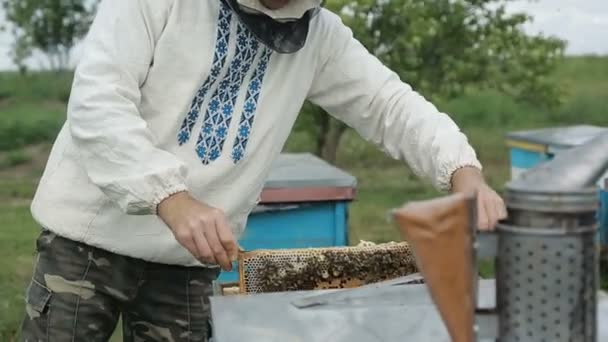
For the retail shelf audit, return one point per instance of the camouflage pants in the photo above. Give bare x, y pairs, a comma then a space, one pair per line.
78, 292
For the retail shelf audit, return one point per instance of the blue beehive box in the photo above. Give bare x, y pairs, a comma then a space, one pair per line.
304, 204
529, 148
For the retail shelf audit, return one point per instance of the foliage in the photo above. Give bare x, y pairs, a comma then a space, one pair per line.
50, 26
444, 47
447, 48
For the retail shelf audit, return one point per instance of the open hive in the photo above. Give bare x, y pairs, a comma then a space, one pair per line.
323, 268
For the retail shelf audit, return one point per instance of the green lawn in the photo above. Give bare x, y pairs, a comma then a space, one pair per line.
32, 109
16, 255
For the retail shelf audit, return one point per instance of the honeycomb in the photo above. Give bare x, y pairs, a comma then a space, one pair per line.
323, 268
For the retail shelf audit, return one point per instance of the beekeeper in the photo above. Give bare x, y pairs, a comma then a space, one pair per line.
177, 111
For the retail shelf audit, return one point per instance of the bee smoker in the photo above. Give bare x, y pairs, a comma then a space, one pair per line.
545, 254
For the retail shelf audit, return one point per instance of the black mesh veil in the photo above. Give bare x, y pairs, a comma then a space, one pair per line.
282, 37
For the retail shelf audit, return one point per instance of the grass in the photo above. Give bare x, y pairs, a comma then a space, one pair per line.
16, 258
26, 123
32, 110
14, 158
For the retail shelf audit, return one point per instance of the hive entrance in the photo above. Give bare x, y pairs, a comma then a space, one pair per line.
323, 268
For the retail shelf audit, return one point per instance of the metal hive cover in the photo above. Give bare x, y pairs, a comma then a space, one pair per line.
306, 178
306, 170
403, 313
559, 137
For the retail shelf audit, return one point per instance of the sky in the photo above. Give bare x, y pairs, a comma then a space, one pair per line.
582, 23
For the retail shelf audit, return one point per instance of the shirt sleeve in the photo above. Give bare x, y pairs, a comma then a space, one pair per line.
356, 88
118, 151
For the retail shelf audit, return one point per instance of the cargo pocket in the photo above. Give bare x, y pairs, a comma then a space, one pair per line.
37, 308
37, 299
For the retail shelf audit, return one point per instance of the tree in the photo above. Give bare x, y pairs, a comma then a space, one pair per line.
52, 27
444, 48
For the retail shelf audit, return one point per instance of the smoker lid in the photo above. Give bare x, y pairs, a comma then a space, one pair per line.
557, 138
403, 313
573, 170
305, 177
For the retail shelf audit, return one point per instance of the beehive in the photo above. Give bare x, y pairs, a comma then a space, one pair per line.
323, 268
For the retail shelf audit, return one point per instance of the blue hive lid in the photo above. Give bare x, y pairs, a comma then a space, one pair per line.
304, 177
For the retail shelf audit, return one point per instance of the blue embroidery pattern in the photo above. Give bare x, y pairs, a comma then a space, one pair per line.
219, 60
251, 103
219, 111
221, 106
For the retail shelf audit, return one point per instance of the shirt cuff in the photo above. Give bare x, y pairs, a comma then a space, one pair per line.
444, 179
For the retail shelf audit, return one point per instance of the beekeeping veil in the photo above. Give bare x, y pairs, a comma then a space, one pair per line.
283, 30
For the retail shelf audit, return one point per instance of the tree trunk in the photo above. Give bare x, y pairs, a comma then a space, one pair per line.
332, 141
22, 69
328, 135
323, 122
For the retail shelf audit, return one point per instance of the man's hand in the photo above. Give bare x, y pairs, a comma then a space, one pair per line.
490, 206
202, 229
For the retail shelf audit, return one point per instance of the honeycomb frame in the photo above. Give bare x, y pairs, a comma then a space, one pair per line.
280, 270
